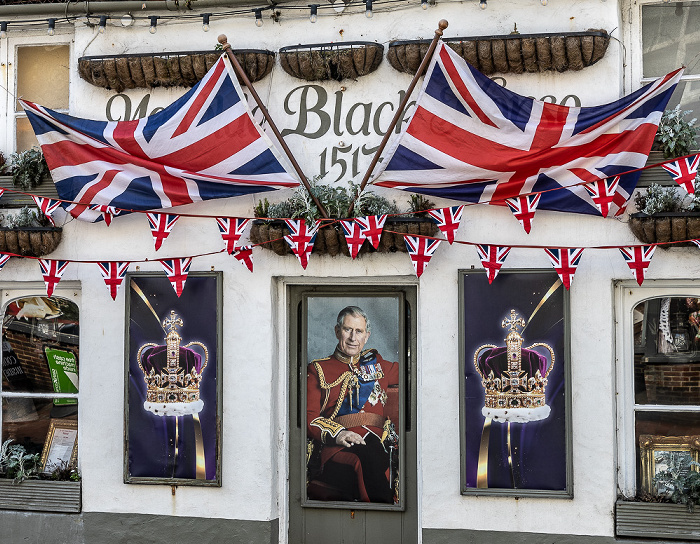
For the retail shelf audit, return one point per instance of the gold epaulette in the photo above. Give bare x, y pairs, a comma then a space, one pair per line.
327, 426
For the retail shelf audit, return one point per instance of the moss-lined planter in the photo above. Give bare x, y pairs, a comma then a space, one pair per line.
656, 520
177, 69
331, 240
665, 227
511, 53
40, 495
30, 241
322, 62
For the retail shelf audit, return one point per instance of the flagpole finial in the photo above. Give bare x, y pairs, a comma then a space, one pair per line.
223, 40
442, 25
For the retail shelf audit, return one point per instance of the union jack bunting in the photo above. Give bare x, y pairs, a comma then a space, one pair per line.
471, 139
52, 272
108, 212
161, 225
492, 259
244, 255
231, 229
565, 261
696, 242
684, 172
371, 228
204, 145
448, 220
421, 250
2, 192
301, 239
47, 206
353, 236
523, 208
113, 273
603, 193
638, 259
177, 270
3, 259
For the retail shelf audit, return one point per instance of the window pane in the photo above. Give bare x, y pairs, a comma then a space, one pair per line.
670, 38
667, 351
40, 346
26, 139
687, 94
42, 75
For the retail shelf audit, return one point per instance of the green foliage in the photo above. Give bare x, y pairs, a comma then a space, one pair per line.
676, 136
26, 217
658, 199
683, 486
419, 203
262, 208
63, 471
28, 168
16, 463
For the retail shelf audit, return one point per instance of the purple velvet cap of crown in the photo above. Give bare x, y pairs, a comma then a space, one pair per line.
156, 358
496, 360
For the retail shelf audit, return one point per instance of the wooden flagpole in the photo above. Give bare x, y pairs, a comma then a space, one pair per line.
442, 25
237, 67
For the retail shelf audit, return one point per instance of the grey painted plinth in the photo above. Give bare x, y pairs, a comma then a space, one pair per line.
463, 536
657, 520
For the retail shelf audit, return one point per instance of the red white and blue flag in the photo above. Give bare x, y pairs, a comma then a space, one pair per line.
448, 220
371, 228
113, 273
47, 207
244, 255
638, 259
603, 193
684, 171
565, 260
108, 212
52, 272
523, 208
421, 250
204, 145
231, 229
470, 139
177, 270
301, 239
353, 236
161, 226
492, 259
4, 257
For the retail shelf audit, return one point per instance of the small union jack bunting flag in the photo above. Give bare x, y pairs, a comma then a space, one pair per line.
696, 242
301, 239
353, 236
113, 273
448, 220
47, 206
684, 171
523, 208
602, 193
108, 212
3, 259
638, 259
177, 270
52, 272
231, 229
161, 225
421, 251
371, 228
492, 259
565, 261
244, 255
2, 192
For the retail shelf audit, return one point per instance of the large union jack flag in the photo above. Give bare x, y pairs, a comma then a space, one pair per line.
421, 251
684, 171
204, 145
52, 272
492, 259
113, 273
565, 261
470, 139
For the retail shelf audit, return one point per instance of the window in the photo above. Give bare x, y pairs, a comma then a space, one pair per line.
40, 369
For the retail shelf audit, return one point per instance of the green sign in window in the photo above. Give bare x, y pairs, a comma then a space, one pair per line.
63, 366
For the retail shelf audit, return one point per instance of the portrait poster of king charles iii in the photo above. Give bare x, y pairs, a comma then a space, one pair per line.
352, 399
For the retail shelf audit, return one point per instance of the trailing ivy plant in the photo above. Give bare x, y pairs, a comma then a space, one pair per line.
28, 168
676, 135
682, 485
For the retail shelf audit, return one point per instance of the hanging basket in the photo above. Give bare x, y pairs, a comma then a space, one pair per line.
329, 61
30, 241
331, 240
665, 227
511, 53
179, 69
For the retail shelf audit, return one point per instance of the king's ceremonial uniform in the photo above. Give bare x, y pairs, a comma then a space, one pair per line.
351, 393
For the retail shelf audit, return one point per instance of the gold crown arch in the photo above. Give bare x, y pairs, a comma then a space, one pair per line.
514, 396
173, 391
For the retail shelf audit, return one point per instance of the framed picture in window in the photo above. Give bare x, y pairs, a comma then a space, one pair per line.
173, 380
514, 386
666, 457
60, 446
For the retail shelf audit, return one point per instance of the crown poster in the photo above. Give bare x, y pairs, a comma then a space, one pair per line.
173, 380
515, 391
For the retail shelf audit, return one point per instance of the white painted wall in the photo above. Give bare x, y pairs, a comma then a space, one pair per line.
255, 379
